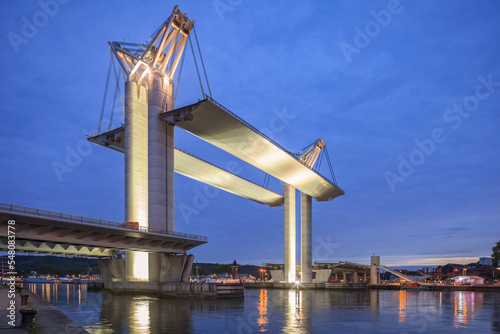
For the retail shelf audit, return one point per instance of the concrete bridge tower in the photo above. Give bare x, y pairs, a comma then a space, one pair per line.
308, 157
149, 141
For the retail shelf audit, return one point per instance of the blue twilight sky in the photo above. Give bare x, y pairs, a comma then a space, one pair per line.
405, 94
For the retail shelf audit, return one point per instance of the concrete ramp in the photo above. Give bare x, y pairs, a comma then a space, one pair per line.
397, 273
215, 124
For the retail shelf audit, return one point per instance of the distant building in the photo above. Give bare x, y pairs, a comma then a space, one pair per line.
485, 261
468, 280
472, 269
450, 270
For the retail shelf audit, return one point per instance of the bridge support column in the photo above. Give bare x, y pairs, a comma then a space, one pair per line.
290, 242
344, 275
136, 153
306, 237
160, 154
356, 277
112, 268
136, 169
170, 267
160, 162
374, 270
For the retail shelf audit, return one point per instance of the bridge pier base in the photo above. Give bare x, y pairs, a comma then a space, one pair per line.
160, 268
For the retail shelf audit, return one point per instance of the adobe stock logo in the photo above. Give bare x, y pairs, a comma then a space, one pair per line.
30, 27
223, 6
372, 28
454, 116
73, 158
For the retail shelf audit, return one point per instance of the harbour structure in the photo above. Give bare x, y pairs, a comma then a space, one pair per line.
328, 272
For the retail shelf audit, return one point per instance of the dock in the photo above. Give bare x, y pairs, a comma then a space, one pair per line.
48, 318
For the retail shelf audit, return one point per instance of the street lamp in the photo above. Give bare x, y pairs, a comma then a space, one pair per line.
262, 271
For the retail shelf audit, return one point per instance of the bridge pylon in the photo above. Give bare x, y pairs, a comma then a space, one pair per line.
149, 140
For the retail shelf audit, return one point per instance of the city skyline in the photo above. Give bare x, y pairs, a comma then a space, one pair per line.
405, 95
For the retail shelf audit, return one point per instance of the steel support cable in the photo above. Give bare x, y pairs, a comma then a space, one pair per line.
176, 88
117, 76
267, 177
105, 95
202, 62
197, 70
320, 161
143, 47
302, 151
117, 90
330, 165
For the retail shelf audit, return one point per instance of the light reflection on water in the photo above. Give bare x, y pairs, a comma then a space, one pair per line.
262, 320
402, 305
279, 311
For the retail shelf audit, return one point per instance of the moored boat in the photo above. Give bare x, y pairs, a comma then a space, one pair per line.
410, 286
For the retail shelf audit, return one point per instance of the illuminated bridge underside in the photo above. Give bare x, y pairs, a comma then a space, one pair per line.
200, 170
52, 235
218, 126
39, 247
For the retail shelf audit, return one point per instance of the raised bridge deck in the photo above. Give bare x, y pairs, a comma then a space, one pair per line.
48, 232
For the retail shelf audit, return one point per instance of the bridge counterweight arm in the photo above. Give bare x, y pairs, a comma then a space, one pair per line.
169, 41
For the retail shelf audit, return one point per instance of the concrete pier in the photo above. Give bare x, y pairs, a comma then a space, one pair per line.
136, 168
290, 241
180, 289
161, 154
162, 268
306, 238
161, 210
136, 153
374, 270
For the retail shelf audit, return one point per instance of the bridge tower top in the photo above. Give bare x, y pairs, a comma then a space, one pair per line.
161, 53
310, 154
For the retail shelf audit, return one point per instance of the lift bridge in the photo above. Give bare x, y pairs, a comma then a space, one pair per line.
155, 252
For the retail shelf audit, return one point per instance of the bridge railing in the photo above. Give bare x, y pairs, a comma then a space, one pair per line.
354, 264
93, 221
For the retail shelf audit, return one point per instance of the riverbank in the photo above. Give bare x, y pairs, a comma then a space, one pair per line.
48, 320
305, 286
352, 286
442, 287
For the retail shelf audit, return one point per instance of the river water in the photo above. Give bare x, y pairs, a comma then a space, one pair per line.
280, 311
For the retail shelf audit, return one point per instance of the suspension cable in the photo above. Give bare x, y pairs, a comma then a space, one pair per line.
105, 95
330, 165
176, 88
117, 89
202, 62
321, 155
117, 76
197, 70
267, 178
